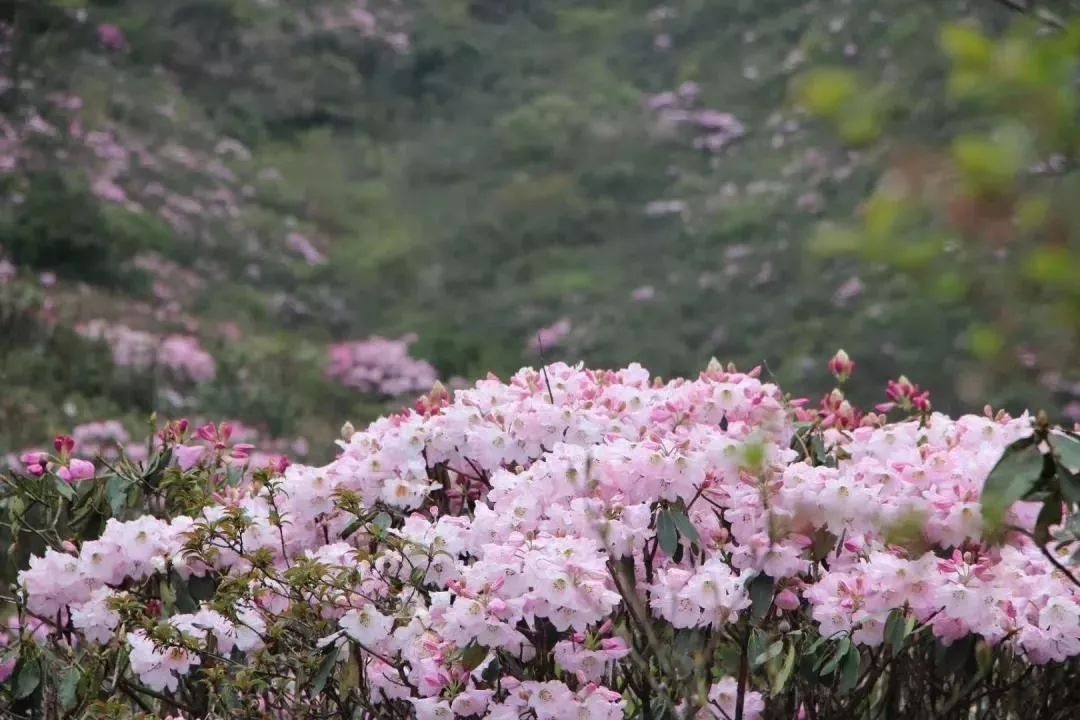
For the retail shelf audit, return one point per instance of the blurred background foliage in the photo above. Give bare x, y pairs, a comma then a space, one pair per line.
473, 171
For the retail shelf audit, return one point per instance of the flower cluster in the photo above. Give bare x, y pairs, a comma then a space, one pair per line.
182, 357
488, 555
380, 366
713, 130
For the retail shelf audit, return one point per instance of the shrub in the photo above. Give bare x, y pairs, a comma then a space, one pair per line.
571, 543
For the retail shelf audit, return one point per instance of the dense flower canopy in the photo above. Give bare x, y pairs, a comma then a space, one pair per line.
519, 523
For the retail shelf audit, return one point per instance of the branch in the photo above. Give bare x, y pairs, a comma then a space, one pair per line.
1028, 7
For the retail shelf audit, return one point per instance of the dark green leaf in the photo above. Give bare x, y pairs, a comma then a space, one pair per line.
849, 671
201, 587
814, 646
1015, 475
896, 630
666, 534
841, 650
957, 656
27, 678
1067, 449
318, 680
116, 492
824, 542
68, 690
1070, 484
493, 671
1050, 514
184, 602
473, 656
351, 528
761, 595
683, 524
757, 646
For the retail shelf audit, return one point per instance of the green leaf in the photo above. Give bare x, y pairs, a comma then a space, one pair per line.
382, 521
116, 491
473, 656
956, 657
493, 671
815, 646
184, 602
201, 587
27, 678
772, 651
849, 671
666, 534
842, 648
780, 679
683, 524
350, 676
1070, 485
65, 490
351, 528
16, 506
68, 690
760, 588
318, 680
1067, 450
1050, 514
757, 645
897, 629
1015, 475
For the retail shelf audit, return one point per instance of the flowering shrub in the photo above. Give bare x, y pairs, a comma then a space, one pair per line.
569, 544
379, 366
103, 443
181, 357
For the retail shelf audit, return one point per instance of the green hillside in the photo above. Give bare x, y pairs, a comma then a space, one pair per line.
269, 177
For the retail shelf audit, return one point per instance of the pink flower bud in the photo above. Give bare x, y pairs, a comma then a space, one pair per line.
787, 600
64, 444
841, 366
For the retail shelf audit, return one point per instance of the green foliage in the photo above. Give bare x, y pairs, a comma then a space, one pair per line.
59, 225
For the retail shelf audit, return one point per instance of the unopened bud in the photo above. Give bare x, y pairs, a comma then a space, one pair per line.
347, 431
841, 366
438, 393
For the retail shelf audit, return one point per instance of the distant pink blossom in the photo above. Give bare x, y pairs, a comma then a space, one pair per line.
302, 246
850, 290
550, 336
379, 365
111, 37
